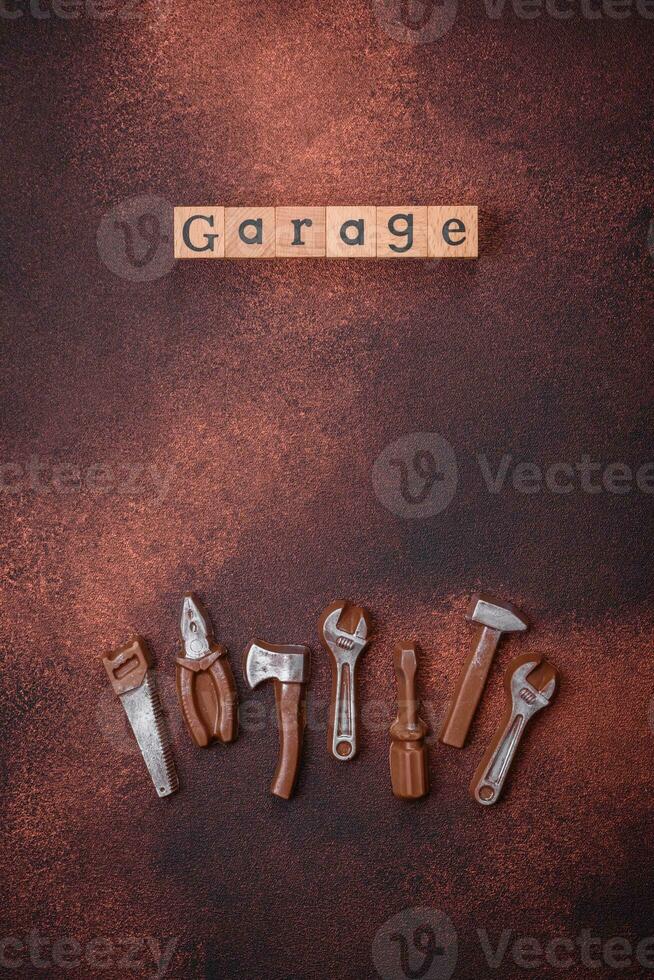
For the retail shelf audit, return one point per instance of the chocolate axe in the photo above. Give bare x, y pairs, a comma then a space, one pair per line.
288, 665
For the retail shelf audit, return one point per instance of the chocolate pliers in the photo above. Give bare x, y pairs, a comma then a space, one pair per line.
205, 683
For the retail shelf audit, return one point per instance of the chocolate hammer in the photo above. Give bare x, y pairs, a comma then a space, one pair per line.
288, 665
492, 617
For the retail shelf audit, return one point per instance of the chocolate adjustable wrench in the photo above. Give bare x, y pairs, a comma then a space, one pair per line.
205, 683
525, 699
344, 634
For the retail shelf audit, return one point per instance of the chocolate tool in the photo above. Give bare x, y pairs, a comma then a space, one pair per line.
408, 754
288, 665
205, 683
492, 618
344, 634
133, 681
530, 684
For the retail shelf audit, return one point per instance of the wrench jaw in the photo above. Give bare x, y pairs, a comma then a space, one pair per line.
339, 640
526, 698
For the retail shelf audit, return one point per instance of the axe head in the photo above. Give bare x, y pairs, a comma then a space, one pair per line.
288, 663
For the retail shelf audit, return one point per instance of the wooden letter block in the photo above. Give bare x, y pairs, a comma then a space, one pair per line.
250, 233
199, 233
300, 233
351, 233
402, 233
453, 233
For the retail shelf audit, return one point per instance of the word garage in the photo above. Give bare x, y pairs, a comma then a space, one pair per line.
331, 232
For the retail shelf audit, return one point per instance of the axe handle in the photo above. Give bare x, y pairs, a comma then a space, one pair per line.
291, 720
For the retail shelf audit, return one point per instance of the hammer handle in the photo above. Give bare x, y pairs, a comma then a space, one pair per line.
291, 720
470, 687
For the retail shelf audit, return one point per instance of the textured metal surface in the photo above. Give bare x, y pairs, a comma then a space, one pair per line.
145, 715
249, 402
263, 664
195, 629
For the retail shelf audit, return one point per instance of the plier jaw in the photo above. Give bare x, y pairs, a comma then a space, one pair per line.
195, 629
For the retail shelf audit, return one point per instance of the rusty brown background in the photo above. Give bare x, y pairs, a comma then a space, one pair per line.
269, 389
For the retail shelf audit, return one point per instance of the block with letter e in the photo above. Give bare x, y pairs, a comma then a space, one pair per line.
453, 232
199, 233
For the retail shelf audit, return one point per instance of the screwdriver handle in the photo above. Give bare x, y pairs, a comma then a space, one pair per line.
408, 755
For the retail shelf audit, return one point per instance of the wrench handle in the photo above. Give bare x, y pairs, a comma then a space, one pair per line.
488, 780
343, 720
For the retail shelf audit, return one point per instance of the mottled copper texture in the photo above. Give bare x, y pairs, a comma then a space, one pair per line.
255, 399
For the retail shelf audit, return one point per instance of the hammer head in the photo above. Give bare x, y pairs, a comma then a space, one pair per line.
288, 663
497, 615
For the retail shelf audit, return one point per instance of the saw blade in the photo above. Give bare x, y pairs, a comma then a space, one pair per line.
143, 709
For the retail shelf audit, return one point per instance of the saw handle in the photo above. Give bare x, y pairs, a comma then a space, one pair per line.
291, 721
128, 665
